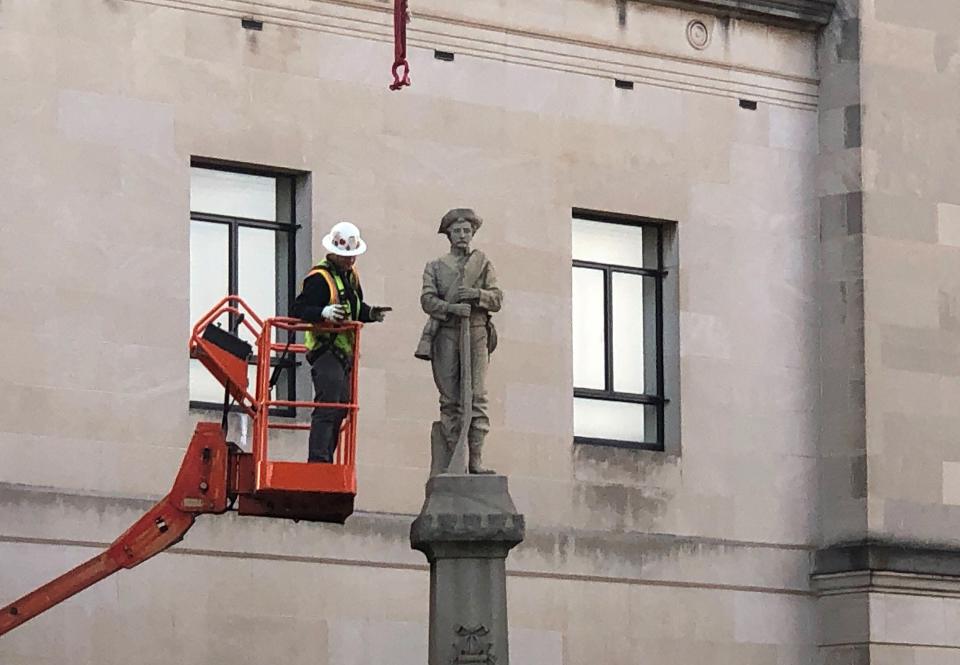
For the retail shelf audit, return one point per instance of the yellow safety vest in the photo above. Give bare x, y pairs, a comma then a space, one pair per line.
343, 340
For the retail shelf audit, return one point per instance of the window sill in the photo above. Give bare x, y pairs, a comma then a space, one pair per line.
613, 443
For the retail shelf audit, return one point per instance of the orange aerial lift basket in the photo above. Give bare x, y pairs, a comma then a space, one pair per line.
298, 490
215, 474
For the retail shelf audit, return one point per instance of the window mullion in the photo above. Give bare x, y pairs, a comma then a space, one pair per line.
608, 327
233, 273
291, 285
659, 357
659, 351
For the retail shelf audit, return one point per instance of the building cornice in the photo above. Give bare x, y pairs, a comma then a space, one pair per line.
556, 51
806, 14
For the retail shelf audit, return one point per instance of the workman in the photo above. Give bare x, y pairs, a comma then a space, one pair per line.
332, 293
460, 284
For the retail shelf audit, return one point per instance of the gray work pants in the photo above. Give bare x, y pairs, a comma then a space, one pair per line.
446, 374
331, 383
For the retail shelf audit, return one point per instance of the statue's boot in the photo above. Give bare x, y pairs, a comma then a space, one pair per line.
474, 465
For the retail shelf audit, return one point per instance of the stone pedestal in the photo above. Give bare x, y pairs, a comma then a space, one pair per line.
466, 528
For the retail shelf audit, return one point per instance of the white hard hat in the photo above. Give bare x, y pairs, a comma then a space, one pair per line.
344, 240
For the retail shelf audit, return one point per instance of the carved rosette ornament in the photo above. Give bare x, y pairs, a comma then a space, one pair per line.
698, 34
470, 647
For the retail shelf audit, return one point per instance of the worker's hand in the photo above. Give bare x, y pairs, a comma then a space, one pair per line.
335, 313
462, 309
465, 294
379, 313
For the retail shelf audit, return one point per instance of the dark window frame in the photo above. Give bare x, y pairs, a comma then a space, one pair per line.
658, 399
234, 224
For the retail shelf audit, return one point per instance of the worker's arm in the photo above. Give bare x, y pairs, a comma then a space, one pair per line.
373, 313
310, 303
370, 313
366, 315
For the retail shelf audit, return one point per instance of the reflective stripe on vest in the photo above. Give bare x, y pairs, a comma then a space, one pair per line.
343, 340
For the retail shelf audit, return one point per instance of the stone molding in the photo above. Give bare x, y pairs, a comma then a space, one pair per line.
501, 43
886, 594
902, 584
47, 517
806, 14
888, 557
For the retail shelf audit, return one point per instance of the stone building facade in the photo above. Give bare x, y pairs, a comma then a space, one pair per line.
801, 499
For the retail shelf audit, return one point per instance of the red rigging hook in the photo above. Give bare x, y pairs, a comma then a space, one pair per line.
401, 16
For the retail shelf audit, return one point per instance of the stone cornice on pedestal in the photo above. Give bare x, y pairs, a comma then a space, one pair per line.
469, 516
808, 14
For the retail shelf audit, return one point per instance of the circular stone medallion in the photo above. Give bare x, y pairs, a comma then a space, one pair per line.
698, 35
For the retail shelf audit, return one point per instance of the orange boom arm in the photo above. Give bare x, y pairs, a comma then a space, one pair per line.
200, 487
214, 473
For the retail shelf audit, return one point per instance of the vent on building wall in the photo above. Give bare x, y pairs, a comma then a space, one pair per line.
446, 56
748, 104
623, 85
251, 23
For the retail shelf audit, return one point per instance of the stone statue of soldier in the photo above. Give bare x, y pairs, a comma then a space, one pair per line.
460, 284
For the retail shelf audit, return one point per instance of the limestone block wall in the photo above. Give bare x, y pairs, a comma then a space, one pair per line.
911, 257
912, 268
888, 574
842, 426
674, 556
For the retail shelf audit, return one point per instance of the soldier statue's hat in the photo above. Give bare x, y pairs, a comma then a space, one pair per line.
460, 215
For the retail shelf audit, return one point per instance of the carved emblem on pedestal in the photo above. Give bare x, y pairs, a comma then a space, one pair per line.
471, 648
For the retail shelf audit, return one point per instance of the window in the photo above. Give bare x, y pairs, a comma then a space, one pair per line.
618, 377
242, 234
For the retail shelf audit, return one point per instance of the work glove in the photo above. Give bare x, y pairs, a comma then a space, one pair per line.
335, 313
378, 313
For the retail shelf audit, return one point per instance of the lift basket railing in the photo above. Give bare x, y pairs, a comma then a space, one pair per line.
226, 356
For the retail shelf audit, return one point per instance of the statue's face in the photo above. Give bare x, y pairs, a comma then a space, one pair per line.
460, 234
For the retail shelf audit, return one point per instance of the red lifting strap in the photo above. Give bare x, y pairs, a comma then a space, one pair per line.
400, 18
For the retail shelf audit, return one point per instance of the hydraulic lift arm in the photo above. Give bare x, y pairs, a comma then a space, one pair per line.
214, 473
202, 486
